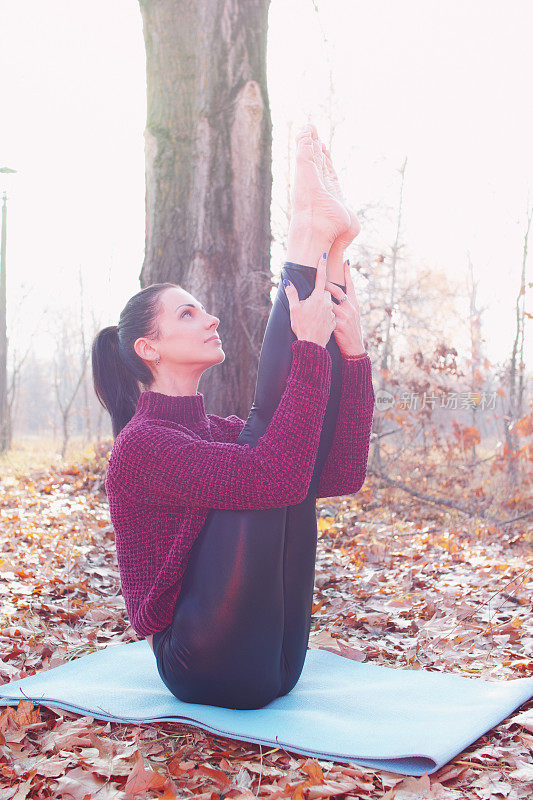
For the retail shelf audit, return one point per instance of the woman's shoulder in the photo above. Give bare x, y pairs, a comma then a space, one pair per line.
126, 442
132, 446
130, 434
140, 433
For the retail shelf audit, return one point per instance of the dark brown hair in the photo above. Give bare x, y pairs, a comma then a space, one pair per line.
118, 372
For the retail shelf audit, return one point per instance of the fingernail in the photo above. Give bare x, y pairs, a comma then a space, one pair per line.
324, 255
286, 282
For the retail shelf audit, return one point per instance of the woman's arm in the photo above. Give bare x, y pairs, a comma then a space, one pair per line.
159, 464
225, 429
344, 471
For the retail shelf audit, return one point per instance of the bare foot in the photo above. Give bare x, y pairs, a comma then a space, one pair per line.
317, 217
336, 252
332, 184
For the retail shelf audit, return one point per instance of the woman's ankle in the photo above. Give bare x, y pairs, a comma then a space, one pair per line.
305, 245
336, 265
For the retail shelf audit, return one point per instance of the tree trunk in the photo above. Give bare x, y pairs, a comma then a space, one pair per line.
516, 370
208, 174
476, 355
386, 356
65, 416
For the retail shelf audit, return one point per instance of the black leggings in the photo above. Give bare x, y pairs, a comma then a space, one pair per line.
241, 622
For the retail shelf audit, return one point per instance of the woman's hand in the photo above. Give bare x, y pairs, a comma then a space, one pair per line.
312, 319
347, 332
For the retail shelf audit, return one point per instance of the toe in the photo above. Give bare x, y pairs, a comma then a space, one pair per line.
305, 131
304, 149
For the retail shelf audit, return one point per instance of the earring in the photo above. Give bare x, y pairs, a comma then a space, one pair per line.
158, 360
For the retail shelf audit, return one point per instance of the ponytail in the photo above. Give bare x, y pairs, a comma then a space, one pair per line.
115, 385
118, 372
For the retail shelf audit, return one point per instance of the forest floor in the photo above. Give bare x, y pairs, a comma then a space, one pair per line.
397, 583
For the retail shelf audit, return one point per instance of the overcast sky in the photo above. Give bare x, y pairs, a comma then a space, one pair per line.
446, 84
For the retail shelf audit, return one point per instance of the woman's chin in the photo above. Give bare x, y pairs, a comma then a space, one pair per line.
221, 355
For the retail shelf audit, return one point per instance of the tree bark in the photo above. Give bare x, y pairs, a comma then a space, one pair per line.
208, 174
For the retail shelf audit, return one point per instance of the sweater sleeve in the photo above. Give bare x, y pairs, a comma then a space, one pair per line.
171, 465
227, 429
344, 471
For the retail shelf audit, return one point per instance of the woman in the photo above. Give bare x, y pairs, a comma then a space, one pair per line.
215, 518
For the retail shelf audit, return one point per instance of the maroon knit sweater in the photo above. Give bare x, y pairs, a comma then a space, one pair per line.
172, 462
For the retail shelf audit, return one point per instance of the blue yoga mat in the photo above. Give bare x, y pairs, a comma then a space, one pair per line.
405, 721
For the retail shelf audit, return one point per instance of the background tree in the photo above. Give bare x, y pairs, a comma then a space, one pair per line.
478, 378
70, 366
18, 360
208, 173
5, 421
517, 368
386, 356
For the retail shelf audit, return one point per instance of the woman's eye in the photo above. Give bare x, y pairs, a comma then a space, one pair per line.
186, 312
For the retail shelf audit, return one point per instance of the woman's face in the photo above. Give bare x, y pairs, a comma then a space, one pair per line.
186, 333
